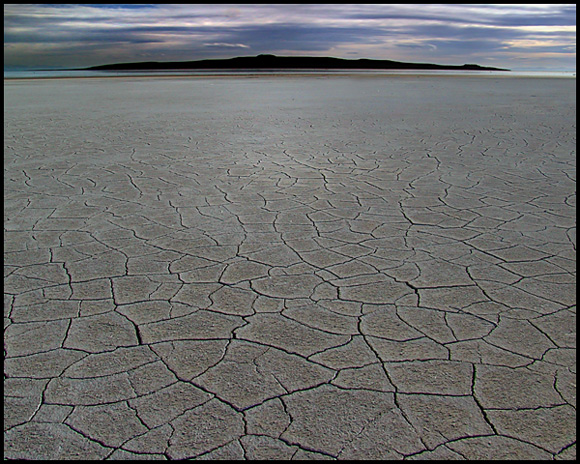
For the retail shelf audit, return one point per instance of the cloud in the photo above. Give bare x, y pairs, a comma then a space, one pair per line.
225, 45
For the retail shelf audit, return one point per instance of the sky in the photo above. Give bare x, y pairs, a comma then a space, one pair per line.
519, 37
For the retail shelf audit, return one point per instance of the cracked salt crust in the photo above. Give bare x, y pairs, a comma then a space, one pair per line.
290, 269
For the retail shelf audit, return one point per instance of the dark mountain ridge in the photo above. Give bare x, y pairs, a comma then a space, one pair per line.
268, 62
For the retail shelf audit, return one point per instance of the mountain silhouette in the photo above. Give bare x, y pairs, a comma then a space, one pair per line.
271, 62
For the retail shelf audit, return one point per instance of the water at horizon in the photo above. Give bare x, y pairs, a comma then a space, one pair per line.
10, 74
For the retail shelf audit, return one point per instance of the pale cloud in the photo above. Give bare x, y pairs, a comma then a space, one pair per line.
222, 44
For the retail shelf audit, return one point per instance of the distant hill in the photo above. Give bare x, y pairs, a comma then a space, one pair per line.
265, 62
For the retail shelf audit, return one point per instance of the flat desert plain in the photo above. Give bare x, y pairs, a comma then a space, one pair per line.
290, 267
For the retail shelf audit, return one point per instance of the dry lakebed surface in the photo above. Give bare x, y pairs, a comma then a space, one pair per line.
290, 267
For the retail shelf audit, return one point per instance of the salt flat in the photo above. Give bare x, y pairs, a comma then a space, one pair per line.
290, 268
